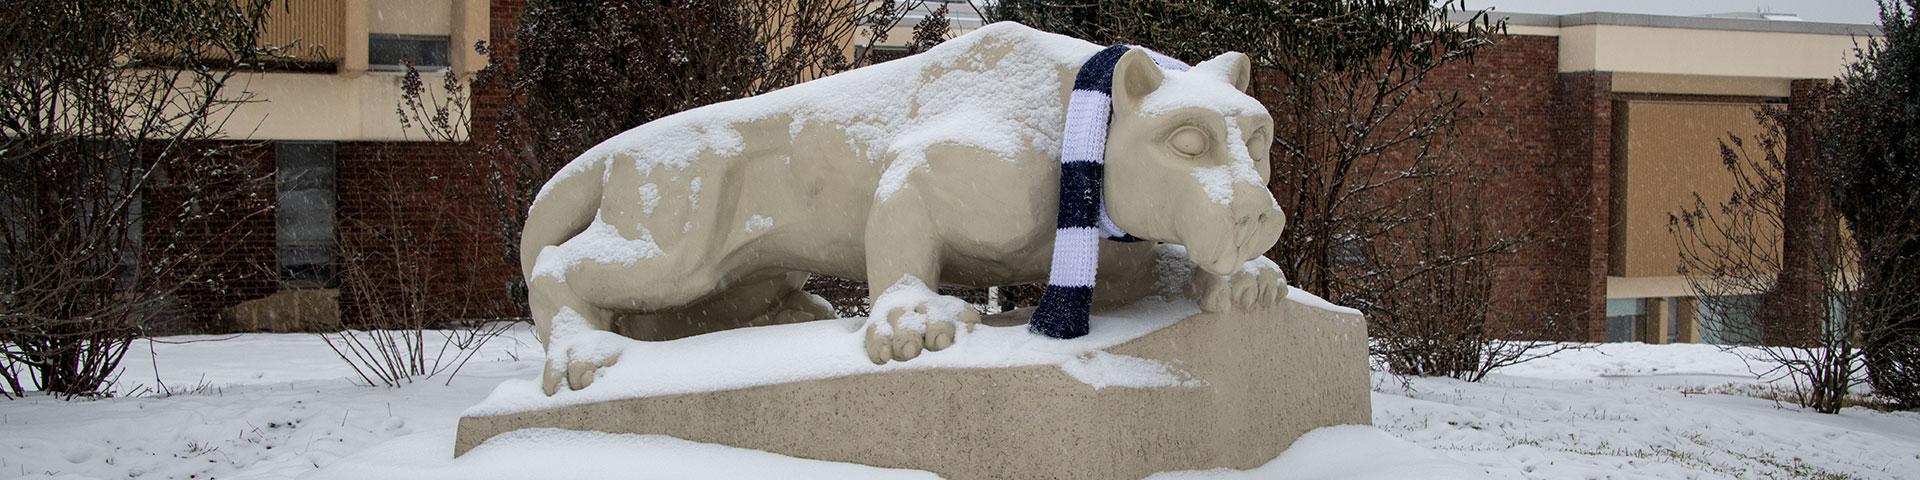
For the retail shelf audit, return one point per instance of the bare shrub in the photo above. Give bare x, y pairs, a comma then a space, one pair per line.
1427, 289
1810, 305
104, 104
406, 259
402, 264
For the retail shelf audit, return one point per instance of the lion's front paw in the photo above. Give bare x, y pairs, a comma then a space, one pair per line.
576, 356
1258, 284
909, 318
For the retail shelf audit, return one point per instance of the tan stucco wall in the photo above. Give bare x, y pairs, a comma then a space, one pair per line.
1648, 287
411, 17
355, 104
1618, 48
1628, 82
470, 25
304, 106
1670, 286
1670, 151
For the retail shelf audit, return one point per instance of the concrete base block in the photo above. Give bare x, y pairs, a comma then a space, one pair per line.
297, 310
1258, 381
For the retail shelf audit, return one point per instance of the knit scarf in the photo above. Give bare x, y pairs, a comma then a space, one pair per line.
1083, 219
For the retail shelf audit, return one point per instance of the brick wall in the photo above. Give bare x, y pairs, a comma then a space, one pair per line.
417, 222
1583, 182
403, 208
394, 195
1792, 315
1541, 139
227, 195
1544, 139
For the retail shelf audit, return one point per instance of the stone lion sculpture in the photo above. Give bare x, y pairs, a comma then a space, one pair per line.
939, 168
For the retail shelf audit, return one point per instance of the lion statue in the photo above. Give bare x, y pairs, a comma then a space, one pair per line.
935, 169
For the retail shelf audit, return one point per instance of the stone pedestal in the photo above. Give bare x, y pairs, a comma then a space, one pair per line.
1257, 381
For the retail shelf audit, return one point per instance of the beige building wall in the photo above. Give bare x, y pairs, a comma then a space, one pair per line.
304, 106
1668, 151
411, 17
1728, 53
1718, 85
352, 103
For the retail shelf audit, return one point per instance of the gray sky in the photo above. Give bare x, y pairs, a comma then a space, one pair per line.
1837, 11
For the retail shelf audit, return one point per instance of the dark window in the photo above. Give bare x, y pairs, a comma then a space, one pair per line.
885, 53
1624, 318
1730, 320
304, 233
387, 51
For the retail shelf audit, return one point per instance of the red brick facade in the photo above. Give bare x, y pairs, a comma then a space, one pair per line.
1542, 139
1793, 314
234, 245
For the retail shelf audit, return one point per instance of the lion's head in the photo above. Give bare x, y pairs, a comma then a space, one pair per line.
1188, 161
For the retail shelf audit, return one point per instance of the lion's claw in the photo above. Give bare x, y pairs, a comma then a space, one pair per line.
909, 319
1257, 285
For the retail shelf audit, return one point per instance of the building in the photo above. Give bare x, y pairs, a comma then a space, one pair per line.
334, 148
1597, 124
1610, 122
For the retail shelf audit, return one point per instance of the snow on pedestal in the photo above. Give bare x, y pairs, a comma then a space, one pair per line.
1157, 387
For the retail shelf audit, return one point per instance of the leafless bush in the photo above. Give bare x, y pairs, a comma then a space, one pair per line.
104, 104
1810, 305
404, 258
1427, 288
402, 265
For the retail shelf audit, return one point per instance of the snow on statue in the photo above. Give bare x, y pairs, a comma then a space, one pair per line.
939, 168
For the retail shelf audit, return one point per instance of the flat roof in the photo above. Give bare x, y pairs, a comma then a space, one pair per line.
1675, 21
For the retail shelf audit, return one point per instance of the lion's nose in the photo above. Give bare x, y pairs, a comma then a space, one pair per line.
1248, 222
1254, 232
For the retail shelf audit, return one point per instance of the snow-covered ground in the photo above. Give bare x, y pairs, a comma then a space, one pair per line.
280, 406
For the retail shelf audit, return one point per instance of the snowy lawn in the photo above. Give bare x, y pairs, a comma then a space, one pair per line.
279, 406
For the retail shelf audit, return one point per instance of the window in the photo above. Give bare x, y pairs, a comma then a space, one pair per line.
1674, 314
387, 51
304, 227
884, 53
1624, 317
1729, 320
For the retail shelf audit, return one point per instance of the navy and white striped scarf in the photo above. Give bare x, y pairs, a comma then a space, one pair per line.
1083, 217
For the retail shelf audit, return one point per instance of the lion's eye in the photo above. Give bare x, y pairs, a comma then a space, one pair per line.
1189, 140
1258, 139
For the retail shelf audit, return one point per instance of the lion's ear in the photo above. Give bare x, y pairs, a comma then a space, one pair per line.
1134, 77
1233, 67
